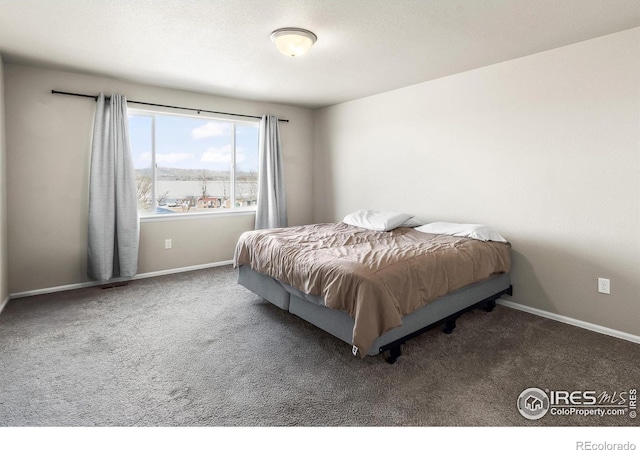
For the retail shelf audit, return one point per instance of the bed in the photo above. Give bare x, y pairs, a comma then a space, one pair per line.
373, 289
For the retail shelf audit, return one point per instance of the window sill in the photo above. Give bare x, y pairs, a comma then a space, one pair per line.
196, 215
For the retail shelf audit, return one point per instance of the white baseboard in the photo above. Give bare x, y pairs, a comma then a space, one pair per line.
68, 287
3, 303
575, 322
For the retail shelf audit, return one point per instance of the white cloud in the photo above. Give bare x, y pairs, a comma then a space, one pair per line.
222, 155
145, 157
210, 129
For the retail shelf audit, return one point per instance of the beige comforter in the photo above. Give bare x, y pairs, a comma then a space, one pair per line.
376, 277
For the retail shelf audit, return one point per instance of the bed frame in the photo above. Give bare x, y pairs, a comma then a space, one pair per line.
444, 310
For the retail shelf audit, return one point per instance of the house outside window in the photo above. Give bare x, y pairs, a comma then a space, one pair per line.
191, 164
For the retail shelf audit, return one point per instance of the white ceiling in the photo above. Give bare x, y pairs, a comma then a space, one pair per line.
364, 47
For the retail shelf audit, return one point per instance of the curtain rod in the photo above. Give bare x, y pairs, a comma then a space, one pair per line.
95, 97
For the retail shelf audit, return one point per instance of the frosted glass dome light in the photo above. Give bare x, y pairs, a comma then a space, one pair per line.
293, 41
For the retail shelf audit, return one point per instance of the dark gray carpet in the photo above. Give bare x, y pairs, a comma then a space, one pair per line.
196, 349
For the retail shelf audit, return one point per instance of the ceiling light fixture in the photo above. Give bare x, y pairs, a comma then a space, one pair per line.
293, 41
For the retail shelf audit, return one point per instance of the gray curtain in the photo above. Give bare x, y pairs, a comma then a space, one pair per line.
272, 206
113, 204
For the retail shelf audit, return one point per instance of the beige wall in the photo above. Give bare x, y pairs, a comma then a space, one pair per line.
545, 148
48, 141
4, 252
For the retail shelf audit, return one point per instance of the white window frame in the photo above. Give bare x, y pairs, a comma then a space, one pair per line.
246, 210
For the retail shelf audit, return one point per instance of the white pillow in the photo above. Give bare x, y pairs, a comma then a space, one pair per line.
376, 220
470, 230
413, 222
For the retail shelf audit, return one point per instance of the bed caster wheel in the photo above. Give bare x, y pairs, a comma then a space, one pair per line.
488, 307
394, 354
449, 326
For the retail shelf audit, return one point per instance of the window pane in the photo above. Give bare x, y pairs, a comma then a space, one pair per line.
246, 165
140, 132
194, 160
215, 158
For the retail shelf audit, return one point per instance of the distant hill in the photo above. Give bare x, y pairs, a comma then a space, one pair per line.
174, 174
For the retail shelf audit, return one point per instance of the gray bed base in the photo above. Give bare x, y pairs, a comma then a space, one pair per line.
338, 323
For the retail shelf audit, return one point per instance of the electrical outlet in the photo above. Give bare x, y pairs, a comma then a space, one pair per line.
167, 243
604, 285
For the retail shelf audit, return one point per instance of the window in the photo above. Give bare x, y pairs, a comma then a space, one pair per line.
187, 164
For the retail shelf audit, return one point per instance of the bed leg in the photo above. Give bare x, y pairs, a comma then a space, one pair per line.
488, 307
449, 326
394, 354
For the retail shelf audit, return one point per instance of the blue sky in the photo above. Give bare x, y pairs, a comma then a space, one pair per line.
192, 143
